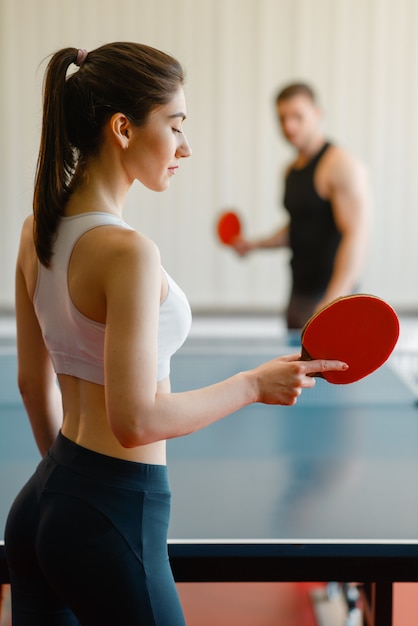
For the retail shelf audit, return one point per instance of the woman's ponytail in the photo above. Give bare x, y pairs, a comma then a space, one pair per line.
56, 159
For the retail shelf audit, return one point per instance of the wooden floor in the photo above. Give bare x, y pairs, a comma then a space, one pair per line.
274, 604
263, 604
247, 604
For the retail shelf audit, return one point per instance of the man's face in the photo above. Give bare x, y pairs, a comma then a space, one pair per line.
299, 119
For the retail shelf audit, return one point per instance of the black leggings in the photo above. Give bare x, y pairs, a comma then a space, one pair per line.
86, 543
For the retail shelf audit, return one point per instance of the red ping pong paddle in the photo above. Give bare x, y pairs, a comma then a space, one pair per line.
228, 227
360, 329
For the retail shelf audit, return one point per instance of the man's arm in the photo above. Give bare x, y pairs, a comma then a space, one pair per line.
277, 239
350, 198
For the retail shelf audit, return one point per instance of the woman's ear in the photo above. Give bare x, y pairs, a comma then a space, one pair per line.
120, 129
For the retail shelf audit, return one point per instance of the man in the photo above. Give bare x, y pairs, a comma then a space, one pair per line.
327, 198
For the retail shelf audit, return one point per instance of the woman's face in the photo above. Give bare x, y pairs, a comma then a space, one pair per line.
156, 148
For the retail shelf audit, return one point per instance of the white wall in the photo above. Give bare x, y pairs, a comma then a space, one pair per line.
361, 55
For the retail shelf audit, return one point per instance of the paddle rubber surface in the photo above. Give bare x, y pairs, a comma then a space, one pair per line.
361, 330
228, 227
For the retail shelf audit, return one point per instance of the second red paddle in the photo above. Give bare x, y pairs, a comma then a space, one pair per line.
228, 227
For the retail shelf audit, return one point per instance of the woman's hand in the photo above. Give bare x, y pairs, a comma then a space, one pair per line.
281, 380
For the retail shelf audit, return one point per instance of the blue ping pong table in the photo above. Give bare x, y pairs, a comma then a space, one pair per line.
322, 491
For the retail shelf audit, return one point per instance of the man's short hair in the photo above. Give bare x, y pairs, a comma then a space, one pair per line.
295, 89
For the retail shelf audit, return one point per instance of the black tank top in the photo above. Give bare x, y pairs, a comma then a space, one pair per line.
314, 237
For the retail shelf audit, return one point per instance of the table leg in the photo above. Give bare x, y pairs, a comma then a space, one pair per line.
377, 603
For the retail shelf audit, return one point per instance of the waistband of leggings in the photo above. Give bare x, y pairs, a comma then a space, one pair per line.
90, 463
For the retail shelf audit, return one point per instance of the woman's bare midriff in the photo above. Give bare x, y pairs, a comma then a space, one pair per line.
86, 422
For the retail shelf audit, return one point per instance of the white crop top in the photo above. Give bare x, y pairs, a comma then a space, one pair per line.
75, 342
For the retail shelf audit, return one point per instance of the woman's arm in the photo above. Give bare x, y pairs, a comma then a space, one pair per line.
138, 414
36, 377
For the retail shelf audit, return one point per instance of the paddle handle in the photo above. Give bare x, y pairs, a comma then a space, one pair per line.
305, 356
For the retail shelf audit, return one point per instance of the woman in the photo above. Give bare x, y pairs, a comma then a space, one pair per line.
86, 537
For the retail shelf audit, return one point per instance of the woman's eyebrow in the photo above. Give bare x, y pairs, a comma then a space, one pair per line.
179, 114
